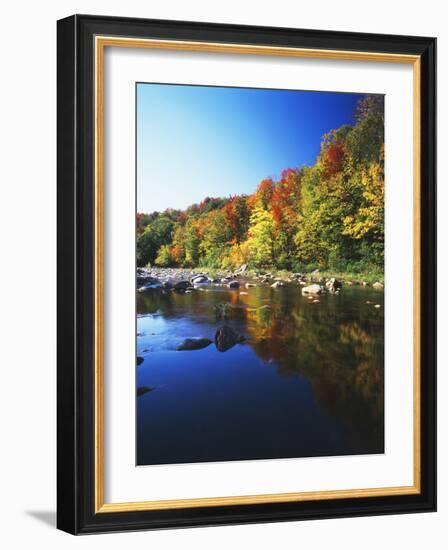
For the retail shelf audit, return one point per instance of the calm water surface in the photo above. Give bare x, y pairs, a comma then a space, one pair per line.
308, 380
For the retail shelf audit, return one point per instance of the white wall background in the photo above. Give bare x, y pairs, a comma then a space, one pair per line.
27, 289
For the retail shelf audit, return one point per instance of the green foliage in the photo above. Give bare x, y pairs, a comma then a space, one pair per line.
157, 233
327, 216
164, 257
215, 235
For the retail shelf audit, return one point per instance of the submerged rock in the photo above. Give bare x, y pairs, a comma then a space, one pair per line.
192, 344
312, 289
226, 338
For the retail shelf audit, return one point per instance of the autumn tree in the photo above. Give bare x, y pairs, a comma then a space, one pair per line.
261, 241
330, 214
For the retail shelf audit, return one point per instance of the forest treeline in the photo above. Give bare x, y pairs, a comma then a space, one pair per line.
328, 216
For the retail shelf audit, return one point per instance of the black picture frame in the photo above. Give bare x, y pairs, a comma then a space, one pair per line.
76, 272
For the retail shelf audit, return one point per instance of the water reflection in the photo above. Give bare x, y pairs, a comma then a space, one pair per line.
331, 352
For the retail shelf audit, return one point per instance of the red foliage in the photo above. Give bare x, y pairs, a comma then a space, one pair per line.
287, 172
285, 197
230, 214
333, 158
264, 192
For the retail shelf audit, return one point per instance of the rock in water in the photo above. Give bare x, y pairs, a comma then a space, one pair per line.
234, 284
378, 285
145, 279
139, 361
312, 289
192, 344
142, 390
155, 283
333, 284
199, 279
182, 285
226, 338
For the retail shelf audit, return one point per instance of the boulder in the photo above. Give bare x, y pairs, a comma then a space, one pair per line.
233, 284
192, 344
226, 338
312, 289
199, 279
378, 285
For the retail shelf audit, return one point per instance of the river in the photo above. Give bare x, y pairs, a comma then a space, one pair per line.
307, 380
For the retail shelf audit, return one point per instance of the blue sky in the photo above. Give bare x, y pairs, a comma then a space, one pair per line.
198, 141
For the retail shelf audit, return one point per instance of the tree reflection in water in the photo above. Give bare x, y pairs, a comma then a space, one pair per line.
336, 344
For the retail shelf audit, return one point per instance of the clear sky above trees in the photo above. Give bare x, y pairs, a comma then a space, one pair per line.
197, 141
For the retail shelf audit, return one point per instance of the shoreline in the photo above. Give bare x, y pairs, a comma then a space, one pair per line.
366, 279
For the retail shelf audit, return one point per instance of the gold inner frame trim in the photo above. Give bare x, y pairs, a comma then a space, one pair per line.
101, 42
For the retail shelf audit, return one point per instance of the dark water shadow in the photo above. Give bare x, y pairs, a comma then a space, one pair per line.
47, 517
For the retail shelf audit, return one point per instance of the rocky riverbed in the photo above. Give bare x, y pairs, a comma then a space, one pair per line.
189, 280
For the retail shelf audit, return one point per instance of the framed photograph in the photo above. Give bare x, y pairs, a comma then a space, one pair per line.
246, 274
